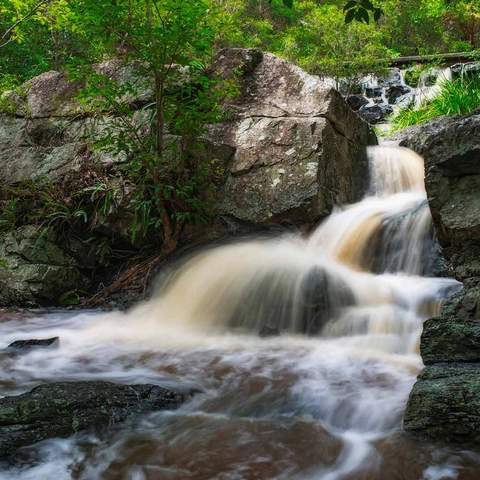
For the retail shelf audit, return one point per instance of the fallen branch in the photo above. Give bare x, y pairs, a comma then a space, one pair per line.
135, 276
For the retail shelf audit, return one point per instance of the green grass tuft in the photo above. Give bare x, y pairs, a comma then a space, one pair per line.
457, 97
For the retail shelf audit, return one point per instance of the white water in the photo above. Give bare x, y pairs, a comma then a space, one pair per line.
291, 406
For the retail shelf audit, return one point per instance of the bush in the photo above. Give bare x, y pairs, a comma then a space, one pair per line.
457, 97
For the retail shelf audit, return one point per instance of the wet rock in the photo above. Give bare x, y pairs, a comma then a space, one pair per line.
267, 331
451, 149
392, 77
295, 302
455, 335
32, 344
465, 70
445, 403
396, 92
355, 102
65, 408
373, 92
375, 113
321, 298
34, 269
384, 253
429, 78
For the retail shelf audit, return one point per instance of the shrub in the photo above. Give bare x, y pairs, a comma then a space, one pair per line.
457, 97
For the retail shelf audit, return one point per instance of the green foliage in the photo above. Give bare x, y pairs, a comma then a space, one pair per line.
82, 202
314, 34
179, 183
457, 97
360, 11
75, 208
171, 178
60, 32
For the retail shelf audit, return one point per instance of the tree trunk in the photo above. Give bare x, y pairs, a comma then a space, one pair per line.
160, 117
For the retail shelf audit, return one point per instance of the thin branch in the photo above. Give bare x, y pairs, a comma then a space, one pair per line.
5, 37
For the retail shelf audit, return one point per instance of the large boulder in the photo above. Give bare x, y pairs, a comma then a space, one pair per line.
451, 149
34, 270
290, 149
64, 408
296, 148
35, 149
450, 343
445, 403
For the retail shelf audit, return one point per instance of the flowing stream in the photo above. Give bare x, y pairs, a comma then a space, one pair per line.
304, 349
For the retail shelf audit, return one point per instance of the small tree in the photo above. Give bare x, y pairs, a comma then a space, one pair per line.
163, 40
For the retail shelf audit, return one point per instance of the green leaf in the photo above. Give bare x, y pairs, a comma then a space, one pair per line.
367, 5
350, 16
362, 15
377, 14
349, 5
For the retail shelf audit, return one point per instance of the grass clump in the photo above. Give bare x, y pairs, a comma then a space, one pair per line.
457, 97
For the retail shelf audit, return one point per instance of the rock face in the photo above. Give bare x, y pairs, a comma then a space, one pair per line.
296, 148
451, 148
62, 409
291, 150
34, 270
444, 401
375, 113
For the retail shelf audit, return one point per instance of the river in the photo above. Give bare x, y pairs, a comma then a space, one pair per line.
303, 348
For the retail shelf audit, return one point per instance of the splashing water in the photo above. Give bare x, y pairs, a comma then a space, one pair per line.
287, 405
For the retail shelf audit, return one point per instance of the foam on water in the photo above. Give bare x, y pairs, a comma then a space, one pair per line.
327, 405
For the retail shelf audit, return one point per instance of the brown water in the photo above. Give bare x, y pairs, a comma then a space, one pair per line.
323, 406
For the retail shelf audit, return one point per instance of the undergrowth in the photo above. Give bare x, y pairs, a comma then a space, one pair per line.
457, 97
78, 207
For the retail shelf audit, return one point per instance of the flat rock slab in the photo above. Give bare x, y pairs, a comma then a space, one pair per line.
64, 408
31, 344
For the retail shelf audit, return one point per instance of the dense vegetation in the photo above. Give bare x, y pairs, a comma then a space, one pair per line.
312, 33
456, 97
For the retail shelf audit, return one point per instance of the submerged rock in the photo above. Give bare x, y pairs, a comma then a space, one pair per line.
27, 345
64, 408
291, 301
384, 252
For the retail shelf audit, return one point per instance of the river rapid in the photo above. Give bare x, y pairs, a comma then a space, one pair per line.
303, 349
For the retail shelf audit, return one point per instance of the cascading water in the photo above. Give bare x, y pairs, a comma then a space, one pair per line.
286, 406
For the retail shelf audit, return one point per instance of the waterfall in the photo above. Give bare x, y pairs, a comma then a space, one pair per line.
364, 259
304, 348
